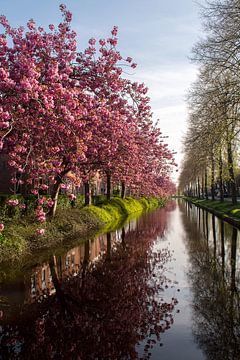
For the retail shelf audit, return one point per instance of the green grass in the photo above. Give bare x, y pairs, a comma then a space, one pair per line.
225, 208
19, 237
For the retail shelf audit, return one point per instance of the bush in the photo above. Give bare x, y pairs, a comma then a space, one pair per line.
99, 199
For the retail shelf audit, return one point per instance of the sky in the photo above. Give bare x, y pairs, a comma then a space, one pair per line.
157, 34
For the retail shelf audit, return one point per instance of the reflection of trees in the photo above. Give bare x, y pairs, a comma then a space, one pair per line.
106, 309
216, 301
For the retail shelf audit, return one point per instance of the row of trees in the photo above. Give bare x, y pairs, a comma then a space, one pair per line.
69, 114
212, 139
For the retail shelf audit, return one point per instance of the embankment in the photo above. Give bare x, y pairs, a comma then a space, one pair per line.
19, 238
224, 210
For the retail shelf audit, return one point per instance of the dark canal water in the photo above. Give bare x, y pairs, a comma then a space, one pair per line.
165, 286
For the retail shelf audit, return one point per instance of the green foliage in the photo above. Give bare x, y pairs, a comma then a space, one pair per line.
151, 203
103, 215
13, 246
80, 201
63, 202
99, 199
8, 211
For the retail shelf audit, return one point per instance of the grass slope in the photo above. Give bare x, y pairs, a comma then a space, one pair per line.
19, 239
226, 210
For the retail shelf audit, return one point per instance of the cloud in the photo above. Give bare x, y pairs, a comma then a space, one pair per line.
168, 87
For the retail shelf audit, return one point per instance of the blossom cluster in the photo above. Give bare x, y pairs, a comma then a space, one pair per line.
12, 202
74, 114
40, 214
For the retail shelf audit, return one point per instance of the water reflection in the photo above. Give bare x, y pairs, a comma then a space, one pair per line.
215, 276
117, 296
106, 297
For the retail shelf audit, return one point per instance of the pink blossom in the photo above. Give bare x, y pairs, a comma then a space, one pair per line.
92, 41
114, 31
40, 231
41, 201
72, 197
113, 42
50, 203
4, 124
129, 59
1, 227
102, 42
63, 186
12, 202
31, 24
44, 187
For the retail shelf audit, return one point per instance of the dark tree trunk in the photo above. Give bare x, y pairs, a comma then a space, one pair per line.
108, 254
214, 236
233, 259
207, 228
87, 194
202, 186
108, 186
59, 292
206, 189
123, 237
212, 180
198, 186
123, 189
85, 262
222, 246
221, 177
231, 174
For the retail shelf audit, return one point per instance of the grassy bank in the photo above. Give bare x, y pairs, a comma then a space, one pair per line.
225, 210
19, 237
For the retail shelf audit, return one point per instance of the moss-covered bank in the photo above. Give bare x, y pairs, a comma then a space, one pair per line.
224, 210
19, 237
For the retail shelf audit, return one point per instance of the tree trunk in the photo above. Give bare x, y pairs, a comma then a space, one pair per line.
55, 192
206, 189
212, 180
87, 193
202, 186
214, 236
85, 262
198, 185
222, 246
108, 186
221, 177
108, 253
123, 189
123, 237
233, 259
231, 174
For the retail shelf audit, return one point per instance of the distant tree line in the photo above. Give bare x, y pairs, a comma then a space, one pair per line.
211, 145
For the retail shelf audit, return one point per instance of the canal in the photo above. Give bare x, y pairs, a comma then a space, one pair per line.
163, 286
